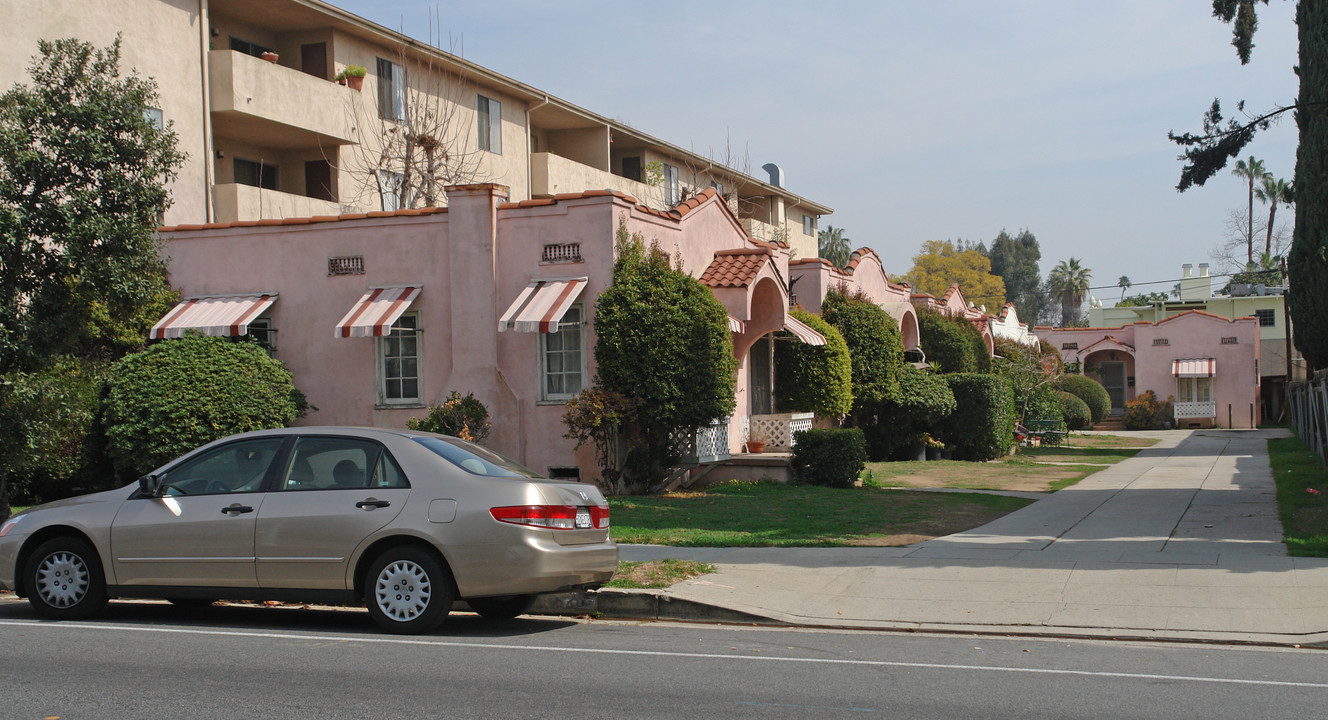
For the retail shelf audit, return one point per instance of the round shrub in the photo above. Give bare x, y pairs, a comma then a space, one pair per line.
1090, 391
1043, 403
1074, 411
180, 394
833, 457
1142, 412
953, 345
874, 346
813, 378
463, 417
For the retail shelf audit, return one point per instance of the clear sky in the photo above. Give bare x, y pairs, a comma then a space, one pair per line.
921, 121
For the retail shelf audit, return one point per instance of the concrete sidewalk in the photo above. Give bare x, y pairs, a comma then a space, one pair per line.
1181, 542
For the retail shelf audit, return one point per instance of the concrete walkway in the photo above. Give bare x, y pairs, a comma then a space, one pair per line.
1182, 542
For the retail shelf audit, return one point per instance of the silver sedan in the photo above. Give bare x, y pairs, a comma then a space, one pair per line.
405, 522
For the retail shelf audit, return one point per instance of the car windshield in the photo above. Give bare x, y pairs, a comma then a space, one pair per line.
474, 459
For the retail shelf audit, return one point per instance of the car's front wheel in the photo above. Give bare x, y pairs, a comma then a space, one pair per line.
64, 580
408, 591
501, 608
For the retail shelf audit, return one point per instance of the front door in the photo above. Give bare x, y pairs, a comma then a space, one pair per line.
201, 532
1113, 379
759, 379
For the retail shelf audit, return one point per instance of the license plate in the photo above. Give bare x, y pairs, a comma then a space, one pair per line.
583, 518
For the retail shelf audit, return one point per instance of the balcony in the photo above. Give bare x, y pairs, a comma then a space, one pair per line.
274, 106
551, 174
232, 202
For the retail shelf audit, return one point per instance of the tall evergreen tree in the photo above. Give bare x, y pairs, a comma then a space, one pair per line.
1015, 260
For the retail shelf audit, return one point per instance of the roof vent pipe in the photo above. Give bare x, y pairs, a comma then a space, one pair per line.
776, 174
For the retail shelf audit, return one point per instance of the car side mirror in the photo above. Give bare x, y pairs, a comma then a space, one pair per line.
150, 485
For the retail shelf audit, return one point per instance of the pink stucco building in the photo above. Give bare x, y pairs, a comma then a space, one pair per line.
380, 315
1210, 364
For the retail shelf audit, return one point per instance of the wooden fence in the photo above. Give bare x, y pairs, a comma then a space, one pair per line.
1308, 405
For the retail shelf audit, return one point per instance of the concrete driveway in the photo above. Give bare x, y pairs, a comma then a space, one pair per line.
1182, 541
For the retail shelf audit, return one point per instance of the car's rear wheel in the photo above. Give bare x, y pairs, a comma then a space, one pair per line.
64, 580
505, 607
408, 591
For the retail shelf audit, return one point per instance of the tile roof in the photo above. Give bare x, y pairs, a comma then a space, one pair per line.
735, 268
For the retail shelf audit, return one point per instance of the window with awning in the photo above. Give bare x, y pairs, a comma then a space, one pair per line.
541, 305
373, 314
224, 315
802, 331
1194, 367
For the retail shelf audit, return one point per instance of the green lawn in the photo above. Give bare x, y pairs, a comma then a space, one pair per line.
1297, 471
770, 514
655, 574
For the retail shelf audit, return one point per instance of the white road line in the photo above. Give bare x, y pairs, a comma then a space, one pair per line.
653, 653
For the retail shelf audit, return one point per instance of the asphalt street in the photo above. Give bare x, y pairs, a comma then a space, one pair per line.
148, 659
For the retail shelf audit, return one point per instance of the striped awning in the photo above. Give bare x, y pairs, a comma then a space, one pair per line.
802, 331
541, 306
736, 325
373, 314
226, 315
1194, 367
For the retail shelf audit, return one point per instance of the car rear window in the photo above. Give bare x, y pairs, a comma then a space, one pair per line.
474, 459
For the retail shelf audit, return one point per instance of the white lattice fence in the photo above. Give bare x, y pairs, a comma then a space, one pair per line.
704, 444
776, 431
1195, 410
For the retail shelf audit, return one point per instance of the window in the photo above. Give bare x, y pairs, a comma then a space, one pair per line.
561, 253
474, 459
631, 168
234, 468
399, 362
1070, 346
1231, 340
671, 195
490, 123
154, 117
249, 48
262, 332
1267, 318
718, 186
389, 184
808, 225
336, 463
391, 91
256, 174
562, 358
1194, 390
345, 265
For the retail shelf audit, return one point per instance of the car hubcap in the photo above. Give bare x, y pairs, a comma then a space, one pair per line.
403, 590
62, 579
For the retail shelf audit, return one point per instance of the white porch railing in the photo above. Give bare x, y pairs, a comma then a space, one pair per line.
1195, 410
776, 430
704, 444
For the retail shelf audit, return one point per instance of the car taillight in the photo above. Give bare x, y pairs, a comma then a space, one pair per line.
556, 517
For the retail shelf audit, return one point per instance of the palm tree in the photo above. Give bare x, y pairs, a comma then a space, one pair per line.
1124, 284
1251, 171
1069, 284
1274, 191
832, 245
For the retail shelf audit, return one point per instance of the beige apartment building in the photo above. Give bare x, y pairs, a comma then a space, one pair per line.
251, 89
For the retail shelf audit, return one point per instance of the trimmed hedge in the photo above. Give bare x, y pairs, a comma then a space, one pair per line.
953, 345
922, 401
833, 457
982, 425
874, 345
811, 378
1074, 411
180, 394
463, 417
1090, 391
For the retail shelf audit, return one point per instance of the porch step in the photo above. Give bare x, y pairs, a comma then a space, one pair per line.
1116, 422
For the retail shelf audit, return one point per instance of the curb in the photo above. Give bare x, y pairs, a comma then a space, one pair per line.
642, 605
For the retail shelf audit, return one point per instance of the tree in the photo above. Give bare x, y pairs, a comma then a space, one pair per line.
418, 137
953, 344
1069, 285
942, 263
662, 339
1142, 300
813, 378
1223, 139
1124, 284
874, 345
1253, 171
1273, 191
1015, 260
83, 175
833, 245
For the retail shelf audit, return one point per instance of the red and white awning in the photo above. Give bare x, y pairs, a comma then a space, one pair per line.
1194, 367
803, 331
225, 315
736, 325
373, 314
541, 306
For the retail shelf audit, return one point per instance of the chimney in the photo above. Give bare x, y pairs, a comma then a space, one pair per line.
1195, 288
776, 174
1203, 269
1186, 270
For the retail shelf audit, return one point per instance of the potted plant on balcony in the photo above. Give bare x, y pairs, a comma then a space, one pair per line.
353, 76
270, 56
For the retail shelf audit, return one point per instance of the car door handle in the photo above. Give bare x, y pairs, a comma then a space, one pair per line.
373, 503
236, 509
